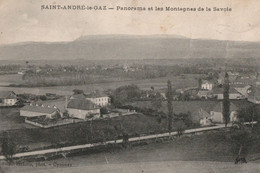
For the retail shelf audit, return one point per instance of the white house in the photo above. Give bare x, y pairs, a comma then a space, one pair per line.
95, 97
98, 99
207, 85
7, 98
83, 109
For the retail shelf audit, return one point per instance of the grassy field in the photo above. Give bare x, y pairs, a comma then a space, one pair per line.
157, 83
191, 107
10, 119
8, 79
208, 152
87, 132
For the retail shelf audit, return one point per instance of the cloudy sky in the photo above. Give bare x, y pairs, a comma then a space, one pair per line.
23, 20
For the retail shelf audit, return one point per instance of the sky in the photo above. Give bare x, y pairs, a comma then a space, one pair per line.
23, 20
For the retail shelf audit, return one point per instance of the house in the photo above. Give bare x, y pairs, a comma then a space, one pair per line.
244, 90
207, 85
233, 94
95, 97
59, 104
98, 99
254, 95
7, 98
213, 112
242, 81
204, 116
35, 110
217, 116
83, 109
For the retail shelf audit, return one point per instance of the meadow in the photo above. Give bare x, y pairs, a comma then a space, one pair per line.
158, 83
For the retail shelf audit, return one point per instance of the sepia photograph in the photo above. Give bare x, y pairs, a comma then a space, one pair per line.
130, 86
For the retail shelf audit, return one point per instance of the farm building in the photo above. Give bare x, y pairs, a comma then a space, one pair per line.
7, 98
98, 99
35, 110
233, 94
95, 97
83, 109
217, 116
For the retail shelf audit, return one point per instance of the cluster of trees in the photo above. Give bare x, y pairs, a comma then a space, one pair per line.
76, 75
7, 69
8, 147
125, 94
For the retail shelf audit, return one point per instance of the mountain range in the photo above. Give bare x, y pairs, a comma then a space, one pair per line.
130, 47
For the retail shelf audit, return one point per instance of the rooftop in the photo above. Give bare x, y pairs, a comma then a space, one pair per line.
96, 95
38, 109
82, 104
220, 91
60, 104
7, 94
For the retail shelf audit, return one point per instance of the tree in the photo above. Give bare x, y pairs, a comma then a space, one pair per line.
125, 139
104, 110
124, 94
169, 97
8, 147
180, 127
199, 83
248, 114
77, 91
157, 103
226, 102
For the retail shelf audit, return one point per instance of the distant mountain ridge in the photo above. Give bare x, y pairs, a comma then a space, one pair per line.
130, 47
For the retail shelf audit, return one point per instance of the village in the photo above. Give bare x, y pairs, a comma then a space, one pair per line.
42, 120
203, 102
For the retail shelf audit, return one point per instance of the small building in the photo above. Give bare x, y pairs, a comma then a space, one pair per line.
35, 110
83, 109
233, 94
216, 114
204, 116
59, 104
242, 82
244, 90
7, 98
207, 85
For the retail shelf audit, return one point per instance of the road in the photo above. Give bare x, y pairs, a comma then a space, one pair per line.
66, 149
